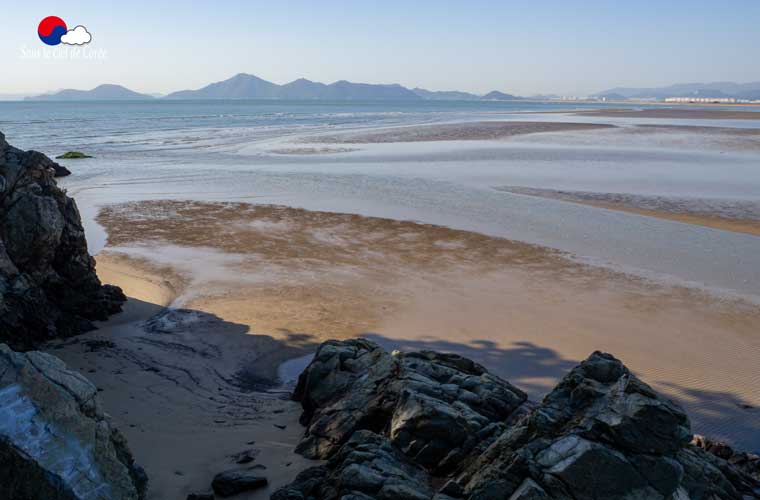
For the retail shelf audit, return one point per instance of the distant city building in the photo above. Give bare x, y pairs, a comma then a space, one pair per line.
703, 100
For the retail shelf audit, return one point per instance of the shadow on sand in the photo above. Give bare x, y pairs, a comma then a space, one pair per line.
532, 368
721, 415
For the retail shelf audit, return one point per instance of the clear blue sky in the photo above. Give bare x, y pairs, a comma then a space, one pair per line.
524, 47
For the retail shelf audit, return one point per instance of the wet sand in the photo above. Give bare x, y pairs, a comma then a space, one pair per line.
474, 131
310, 151
727, 215
182, 386
280, 280
675, 112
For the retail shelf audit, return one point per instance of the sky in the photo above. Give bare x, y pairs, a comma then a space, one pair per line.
564, 47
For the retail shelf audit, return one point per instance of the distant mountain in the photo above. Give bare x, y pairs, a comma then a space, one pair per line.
714, 89
495, 95
445, 95
302, 89
101, 92
240, 86
750, 94
344, 90
245, 86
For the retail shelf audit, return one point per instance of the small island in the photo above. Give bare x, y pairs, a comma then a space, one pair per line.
72, 155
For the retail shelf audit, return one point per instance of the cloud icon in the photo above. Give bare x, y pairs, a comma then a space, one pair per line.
77, 36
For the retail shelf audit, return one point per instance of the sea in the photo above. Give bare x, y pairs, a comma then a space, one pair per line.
252, 151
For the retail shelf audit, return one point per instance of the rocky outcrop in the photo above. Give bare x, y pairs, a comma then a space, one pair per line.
55, 440
434, 426
749, 463
48, 285
436, 408
232, 482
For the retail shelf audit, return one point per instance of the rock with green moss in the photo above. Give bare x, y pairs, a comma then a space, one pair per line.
72, 155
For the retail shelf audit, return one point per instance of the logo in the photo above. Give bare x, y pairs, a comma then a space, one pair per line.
53, 31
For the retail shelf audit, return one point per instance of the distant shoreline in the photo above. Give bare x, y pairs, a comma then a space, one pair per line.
687, 112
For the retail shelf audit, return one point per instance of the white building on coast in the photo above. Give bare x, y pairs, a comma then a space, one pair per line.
704, 100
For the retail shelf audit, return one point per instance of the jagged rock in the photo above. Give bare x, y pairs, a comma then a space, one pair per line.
48, 285
437, 408
749, 463
443, 428
367, 466
232, 482
601, 433
55, 440
39, 160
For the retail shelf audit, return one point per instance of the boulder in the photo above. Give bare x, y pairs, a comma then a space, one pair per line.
436, 408
367, 466
434, 426
48, 285
55, 440
749, 463
232, 482
602, 433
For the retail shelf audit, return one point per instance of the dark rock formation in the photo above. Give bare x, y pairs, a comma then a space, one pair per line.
232, 482
48, 285
200, 496
434, 426
55, 441
749, 463
436, 408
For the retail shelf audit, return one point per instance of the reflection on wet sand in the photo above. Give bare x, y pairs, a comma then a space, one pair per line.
298, 277
729, 215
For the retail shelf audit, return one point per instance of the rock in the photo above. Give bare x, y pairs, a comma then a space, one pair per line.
200, 496
437, 408
232, 482
435, 426
55, 440
367, 466
246, 456
749, 463
39, 160
72, 155
48, 285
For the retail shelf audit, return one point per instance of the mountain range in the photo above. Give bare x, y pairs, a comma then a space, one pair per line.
101, 92
714, 89
246, 86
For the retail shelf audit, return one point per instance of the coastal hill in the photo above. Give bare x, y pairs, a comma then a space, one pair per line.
715, 89
495, 95
101, 92
247, 86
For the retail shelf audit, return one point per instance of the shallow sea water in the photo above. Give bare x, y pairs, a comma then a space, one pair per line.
223, 151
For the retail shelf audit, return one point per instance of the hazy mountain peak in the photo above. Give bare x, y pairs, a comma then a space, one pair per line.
496, 95
245, 86
749, 90
105, 91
